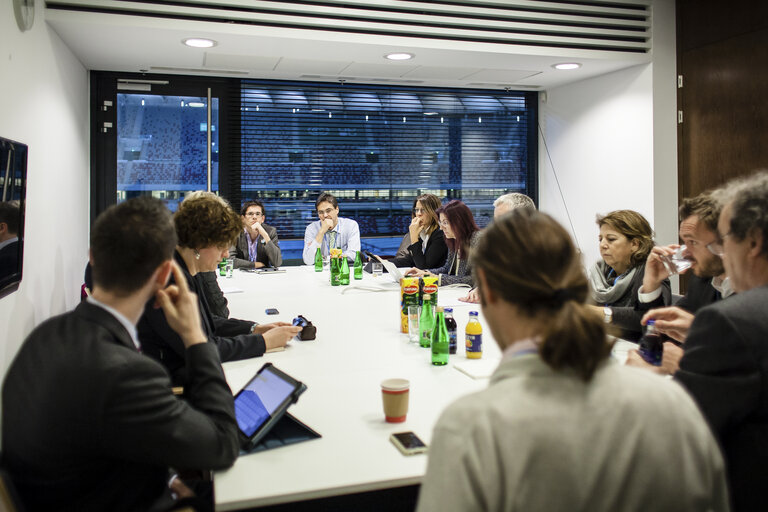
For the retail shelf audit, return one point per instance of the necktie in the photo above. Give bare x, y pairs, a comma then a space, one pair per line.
332, 240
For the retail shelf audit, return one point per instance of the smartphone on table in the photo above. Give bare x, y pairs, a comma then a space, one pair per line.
408, 443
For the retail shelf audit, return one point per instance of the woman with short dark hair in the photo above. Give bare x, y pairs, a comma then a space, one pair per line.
206, 226
626, 239
559, 426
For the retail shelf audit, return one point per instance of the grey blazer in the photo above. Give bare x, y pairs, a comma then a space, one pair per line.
464, 272
267, 253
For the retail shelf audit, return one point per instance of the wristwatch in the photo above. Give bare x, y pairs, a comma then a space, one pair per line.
607, 315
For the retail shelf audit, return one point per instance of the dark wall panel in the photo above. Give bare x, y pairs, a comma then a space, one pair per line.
723, 57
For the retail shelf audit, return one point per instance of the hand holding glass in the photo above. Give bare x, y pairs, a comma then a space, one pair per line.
676, 263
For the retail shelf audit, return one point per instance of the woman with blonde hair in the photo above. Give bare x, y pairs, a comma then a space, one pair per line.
626, 239
560, 427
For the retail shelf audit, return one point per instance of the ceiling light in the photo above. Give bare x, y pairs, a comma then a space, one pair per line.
196, 104
430, 113
197, 42
567, 65
399, 56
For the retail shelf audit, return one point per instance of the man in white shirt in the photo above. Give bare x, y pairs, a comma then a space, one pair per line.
331, 231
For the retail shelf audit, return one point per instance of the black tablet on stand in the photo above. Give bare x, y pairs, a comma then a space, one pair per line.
261, 411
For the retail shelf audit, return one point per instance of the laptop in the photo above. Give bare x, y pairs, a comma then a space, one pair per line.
389, 267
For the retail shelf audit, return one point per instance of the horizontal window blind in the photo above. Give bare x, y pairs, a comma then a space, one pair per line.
376, 149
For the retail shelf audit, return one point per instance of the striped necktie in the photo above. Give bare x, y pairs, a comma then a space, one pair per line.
332, 240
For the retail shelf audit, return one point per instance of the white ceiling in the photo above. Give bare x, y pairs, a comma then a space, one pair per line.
114, 42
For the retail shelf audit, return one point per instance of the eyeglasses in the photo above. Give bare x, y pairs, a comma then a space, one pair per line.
444, 223
254, 214
716, 248
418, 211
327, 211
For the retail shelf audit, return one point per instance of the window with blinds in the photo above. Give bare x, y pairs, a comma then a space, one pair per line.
377, 148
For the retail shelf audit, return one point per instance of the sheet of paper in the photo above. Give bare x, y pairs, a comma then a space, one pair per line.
477, 368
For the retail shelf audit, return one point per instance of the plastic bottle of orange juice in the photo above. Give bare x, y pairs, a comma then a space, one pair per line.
474, 337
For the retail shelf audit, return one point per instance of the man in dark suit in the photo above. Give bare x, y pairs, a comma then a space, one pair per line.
707, 284
90, 423
698, 229
257, 246
9, 241
725, 359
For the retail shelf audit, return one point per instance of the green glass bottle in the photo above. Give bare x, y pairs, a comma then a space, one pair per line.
440, 342
358, 265
344, 271
318, 260
335, 272
426, 323
223, 267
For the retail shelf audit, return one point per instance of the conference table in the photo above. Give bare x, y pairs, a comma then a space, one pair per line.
358, 345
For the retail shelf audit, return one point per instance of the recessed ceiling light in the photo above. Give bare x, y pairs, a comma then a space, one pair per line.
430, 113
197, 42
399, 56
196, 104
567, 65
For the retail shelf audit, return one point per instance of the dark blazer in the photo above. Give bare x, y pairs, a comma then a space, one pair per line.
89, 423
628, 310
230, 335
268, 253
9, 260
700, 293
434, 255
725, 368
217, 302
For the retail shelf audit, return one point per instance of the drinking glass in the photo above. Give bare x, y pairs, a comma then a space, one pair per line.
676, 263
414, 312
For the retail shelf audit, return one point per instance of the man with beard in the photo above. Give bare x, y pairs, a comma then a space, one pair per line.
708, 284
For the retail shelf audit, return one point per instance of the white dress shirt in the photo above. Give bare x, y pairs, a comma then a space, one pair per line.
347, 239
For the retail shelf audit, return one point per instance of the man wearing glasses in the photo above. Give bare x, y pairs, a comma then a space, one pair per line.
257, 246
725, 359
331, 231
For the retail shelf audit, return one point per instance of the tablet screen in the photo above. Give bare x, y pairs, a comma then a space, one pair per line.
256, 403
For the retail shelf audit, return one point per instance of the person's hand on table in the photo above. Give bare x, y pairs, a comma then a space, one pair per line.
670, 360
181, 308
472, 297
417, 272
278, 336
655, 271
672, 321
262, 328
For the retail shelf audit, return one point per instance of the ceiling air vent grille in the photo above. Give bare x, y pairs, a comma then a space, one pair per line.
617, 26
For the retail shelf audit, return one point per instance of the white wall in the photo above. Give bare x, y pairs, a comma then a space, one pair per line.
612, 142
44, 104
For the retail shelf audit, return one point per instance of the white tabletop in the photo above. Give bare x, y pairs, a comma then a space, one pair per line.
358, 345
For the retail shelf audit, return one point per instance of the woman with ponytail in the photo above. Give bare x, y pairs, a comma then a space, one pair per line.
561, 427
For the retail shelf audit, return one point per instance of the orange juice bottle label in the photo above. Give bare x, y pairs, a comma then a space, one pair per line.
474, 344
